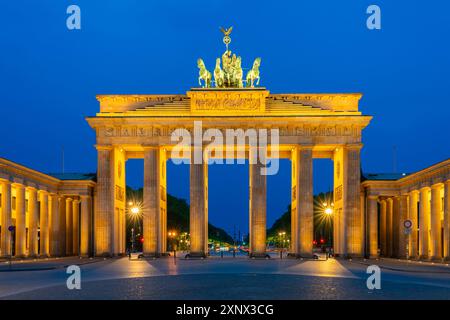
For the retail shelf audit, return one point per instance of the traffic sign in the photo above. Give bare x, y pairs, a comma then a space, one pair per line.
407, 224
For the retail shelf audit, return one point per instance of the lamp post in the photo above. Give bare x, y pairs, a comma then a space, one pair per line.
328, 212
282, 240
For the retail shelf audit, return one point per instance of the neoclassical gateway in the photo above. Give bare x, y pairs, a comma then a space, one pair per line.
406, 216
75, 214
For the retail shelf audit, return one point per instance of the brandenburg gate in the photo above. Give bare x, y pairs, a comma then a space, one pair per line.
309, 125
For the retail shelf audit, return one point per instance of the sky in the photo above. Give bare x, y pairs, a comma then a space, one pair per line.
49, 76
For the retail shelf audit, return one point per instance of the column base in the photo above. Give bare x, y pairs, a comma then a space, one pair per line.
295, 255
423, 257
259, 255
151, 255
436, 259
195, 255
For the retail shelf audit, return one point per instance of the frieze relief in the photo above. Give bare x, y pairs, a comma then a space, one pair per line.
301, 130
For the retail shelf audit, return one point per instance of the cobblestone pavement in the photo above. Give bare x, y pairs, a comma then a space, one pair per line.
228, 278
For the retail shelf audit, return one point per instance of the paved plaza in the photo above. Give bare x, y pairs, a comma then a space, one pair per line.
227, 278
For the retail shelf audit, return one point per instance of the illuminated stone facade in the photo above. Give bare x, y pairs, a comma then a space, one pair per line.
51, 215
310, 126
422, 198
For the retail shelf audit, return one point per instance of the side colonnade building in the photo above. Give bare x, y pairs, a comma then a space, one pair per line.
45, 215
408, 216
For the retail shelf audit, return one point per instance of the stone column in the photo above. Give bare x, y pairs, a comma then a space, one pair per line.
5, 241
198, 209
435, 227
54, 226
424, 222
151, 210
20, 220
304, 214
372, 209
389, 228
395, 226
413, 200
383, 243
62, 225
85, 225
44, 224
104, 211
69, 227
447, 220
402, 237
32, 222
257, 205
76, 227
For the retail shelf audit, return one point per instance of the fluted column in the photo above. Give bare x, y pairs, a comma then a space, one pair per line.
44, 242
383, 243
5, 241
85, 225
32, 222
69, 227
257, 207
372, 209
54, 223
389, 227
413, 200
435, 219
20, 221
403, 215
198, 209
62, 225
104, 209
76, 227
396, 221
424, 223
151, 202
304, 213
447, 220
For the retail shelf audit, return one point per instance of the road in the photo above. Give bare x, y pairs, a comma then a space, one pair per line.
228, 278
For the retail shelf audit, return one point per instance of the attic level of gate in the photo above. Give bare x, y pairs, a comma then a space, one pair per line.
220, 102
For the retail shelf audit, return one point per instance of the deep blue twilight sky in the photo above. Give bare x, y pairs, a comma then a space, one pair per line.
49, 77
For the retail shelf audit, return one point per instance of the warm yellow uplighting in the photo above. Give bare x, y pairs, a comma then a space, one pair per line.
135, 210
172, 233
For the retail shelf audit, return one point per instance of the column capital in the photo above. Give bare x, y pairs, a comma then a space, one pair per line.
425, 188
414, 192
40, 191
373, 196
103, 147
354, 146
437, 186
84, 196
148, 147
6, 181
18, 185
305, 147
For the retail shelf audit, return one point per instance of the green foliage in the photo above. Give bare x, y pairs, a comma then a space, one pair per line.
178, 216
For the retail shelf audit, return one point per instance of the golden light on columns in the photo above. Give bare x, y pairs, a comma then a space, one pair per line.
134, 210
